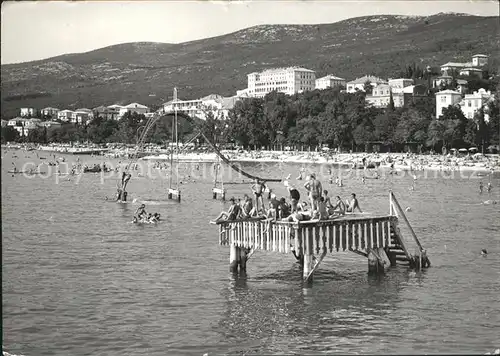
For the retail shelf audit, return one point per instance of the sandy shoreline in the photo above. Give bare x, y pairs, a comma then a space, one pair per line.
400, 161
348, 160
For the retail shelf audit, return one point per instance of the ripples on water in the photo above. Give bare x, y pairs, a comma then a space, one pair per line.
79, 279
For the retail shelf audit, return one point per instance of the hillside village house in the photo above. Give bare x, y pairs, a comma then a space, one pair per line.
471, 103
446, 98
462, 86
478, 60
381, 95
50, 124
398, 84
472, 71
218, 105
133, 108
24, 125
359, 83
289, 80
28, 112
66, 115
52, 112
448, 79
106, 113
82, 116
329, 81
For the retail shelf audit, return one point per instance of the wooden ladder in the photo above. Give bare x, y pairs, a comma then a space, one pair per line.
420, 259
396, 248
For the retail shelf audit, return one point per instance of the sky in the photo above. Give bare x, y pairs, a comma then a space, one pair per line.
43, 29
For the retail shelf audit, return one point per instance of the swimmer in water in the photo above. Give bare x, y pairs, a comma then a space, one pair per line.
141, 212
480, 187
488, 187
490, 202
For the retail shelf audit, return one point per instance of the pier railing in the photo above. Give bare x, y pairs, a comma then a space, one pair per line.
345, 233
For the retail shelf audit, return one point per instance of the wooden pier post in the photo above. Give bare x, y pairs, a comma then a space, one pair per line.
234, 257
308, 256
377, 260
243, 259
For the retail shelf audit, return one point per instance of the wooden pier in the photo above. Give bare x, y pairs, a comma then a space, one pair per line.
378, 238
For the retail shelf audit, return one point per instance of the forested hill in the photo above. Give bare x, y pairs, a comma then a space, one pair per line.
147, 72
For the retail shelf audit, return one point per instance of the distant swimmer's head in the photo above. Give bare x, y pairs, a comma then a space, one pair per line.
484, 252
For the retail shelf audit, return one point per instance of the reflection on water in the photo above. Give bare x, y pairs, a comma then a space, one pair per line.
79, 279
337, 314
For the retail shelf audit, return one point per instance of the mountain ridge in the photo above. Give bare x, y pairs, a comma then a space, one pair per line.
379, 45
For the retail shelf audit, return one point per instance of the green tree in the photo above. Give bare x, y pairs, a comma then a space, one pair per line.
455, 125
435, 134
493, 125
9, 134
368, 88
412, 127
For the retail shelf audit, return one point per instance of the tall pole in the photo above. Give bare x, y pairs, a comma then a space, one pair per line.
176, 138
171, 155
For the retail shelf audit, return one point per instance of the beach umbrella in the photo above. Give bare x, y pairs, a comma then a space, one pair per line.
462, 150
472, 149
453, 149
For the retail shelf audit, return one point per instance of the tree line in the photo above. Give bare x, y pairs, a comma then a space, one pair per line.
312, 119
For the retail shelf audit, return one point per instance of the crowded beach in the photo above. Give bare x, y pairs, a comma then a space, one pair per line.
454, 160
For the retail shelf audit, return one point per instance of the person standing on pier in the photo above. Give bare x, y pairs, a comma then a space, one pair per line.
294, 196
314, 189
481, 187
258, 189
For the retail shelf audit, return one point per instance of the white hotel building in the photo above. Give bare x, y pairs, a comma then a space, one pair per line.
329, 81
290, 81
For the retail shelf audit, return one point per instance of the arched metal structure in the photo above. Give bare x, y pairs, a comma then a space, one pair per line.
152, 121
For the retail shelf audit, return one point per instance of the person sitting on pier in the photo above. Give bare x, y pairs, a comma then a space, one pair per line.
247, 207
272, 212
338, 208
302, 215
353, 204
328, 202
233, 213
321, 213
283, 209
